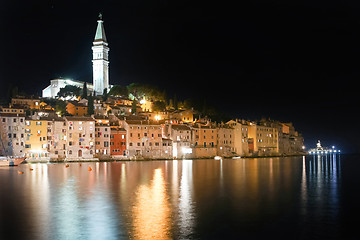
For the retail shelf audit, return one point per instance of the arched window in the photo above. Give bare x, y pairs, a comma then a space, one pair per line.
70, 151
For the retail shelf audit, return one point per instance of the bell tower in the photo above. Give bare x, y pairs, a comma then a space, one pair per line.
100, 59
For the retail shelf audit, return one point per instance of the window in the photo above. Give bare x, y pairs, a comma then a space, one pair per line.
70, 152
38, 123
106, 144
14, 119
27, 130
27, 145
3, 120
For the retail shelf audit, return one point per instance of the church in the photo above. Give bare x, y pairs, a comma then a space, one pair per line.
100, 62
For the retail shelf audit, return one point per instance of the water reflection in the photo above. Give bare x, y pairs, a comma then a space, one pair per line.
186, 207
320, 192
188, 199
151, 212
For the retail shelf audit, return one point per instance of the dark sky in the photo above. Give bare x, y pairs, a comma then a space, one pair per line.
293, 61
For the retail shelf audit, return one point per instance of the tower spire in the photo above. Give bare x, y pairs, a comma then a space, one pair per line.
100, 59
100, 32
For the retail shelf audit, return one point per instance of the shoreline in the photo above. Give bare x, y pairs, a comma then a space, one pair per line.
154, 159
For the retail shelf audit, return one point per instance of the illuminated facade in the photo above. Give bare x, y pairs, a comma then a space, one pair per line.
56, 134
52, 90
102, 137
76, 108
27, 103
181, 136
100, 60
204, 141
36, 147
118, 142
80, 135
12, 134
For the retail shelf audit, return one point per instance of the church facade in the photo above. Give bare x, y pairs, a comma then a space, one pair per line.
100, 62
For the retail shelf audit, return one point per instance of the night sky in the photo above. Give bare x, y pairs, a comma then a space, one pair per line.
294, 61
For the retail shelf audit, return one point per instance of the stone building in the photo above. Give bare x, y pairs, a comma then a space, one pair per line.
80, 138
12, 130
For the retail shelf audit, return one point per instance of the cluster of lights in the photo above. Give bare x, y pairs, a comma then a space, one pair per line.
324, 152
333, 150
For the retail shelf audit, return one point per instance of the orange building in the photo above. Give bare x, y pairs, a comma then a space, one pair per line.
76, 108
118, 141
204, 140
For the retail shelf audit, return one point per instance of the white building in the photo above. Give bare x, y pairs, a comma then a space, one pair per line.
12, 128
100, 59
52, 90
100, 62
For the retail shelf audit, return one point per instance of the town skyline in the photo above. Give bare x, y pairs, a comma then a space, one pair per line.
148, 52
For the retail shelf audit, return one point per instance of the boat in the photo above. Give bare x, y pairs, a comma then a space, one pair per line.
323, 150
218, 158
11, 161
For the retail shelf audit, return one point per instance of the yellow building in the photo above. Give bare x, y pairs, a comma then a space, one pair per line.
36, 140
26, 102
263, 140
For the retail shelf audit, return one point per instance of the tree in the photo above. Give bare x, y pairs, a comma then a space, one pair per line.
159, 106
134, 106
90, 109
105, 94
118, 90
60, 107
84, 91
69, 91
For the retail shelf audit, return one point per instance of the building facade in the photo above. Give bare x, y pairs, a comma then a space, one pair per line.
12, 129
57, 140
36, 143
118, 142
204, 140
80, 135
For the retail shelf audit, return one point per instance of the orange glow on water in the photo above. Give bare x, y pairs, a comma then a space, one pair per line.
152, 212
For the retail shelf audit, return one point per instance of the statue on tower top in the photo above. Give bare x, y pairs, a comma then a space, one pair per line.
100, 16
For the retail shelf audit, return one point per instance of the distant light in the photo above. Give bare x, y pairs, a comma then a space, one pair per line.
157, 117
333, 147
186, 150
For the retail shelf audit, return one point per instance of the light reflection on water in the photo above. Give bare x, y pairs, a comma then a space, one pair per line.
151, 212
188, 199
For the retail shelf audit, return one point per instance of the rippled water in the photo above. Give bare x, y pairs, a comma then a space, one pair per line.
286, 198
